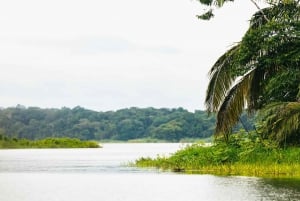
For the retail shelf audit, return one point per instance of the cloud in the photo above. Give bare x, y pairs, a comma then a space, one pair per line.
95, 45
106, 54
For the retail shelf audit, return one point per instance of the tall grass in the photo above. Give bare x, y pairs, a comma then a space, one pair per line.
241, 156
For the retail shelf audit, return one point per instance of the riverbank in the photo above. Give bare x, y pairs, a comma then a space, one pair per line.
154, 140
14, 143
239, 157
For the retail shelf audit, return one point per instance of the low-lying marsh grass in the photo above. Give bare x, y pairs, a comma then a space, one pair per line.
7, 143
240, 156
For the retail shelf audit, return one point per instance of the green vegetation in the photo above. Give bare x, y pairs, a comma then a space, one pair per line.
172, 125
261, 73
240, 156
7, 143
121, 125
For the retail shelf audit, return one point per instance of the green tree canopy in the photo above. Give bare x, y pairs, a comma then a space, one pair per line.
124, 124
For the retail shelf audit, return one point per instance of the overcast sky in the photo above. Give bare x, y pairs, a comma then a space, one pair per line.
106, 55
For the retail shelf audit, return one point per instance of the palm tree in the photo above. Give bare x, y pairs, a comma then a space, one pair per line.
240, 78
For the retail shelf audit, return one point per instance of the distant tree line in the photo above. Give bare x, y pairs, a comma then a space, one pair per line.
125, 124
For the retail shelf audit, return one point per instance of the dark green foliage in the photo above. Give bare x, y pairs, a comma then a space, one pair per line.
280, 122
283, 87
206, 2
210, 3
217, 3
125, 124
206, 16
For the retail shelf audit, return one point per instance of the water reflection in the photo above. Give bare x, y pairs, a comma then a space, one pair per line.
280, 189
293, 184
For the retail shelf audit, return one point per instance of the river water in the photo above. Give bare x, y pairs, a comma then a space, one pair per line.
102, 175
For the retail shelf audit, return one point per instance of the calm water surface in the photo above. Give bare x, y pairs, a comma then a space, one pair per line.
102, 175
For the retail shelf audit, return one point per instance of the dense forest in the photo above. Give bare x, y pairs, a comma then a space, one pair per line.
125, 124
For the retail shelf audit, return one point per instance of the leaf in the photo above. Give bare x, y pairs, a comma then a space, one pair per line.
233, 104
206, 2
206, 16
221, 79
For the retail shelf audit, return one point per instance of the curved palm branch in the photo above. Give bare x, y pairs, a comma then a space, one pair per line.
221, 79
233, 104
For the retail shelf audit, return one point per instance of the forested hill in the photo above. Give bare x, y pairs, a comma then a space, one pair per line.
124, 124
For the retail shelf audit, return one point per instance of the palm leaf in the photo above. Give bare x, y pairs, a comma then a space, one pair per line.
234, 103
221, 79
281, 120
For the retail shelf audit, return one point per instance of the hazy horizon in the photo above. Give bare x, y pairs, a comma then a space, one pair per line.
107, 55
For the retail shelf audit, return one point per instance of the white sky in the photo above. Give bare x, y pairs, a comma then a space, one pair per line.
106, 55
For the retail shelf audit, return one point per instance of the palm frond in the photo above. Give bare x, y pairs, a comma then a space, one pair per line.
233, 105
281, 120
221, 79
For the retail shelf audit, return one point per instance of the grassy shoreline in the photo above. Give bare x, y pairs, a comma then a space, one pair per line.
241, 157
7, 143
